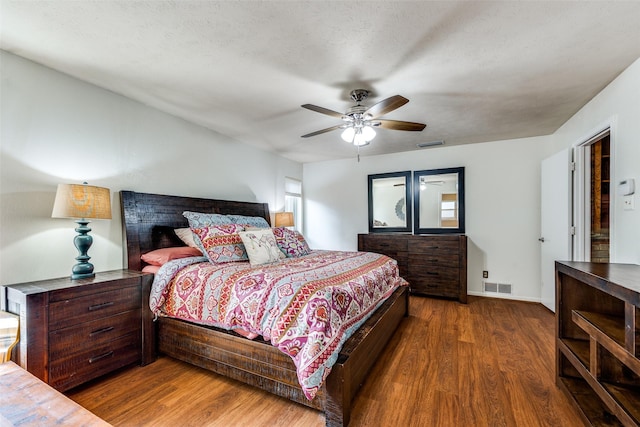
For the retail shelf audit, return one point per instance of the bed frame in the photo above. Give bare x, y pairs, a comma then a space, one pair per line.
147, 218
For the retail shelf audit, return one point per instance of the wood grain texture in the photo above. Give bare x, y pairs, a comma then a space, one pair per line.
74, 330
434, 265
254, 363
27, 401
487, 363
596, 330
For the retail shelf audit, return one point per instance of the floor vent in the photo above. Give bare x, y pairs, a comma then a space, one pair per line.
497, 288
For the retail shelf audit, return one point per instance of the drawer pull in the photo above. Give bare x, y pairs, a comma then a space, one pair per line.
432, 273
101, 331
100, 306
102, 356
384, 244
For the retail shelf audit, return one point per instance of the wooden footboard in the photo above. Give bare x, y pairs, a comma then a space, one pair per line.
260, 364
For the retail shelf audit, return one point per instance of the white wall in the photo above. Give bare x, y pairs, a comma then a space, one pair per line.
57, 129
617, 105
502, 186
502, 190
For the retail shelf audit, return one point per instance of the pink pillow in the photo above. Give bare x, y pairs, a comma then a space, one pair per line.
164, 255
153, 269
291, 242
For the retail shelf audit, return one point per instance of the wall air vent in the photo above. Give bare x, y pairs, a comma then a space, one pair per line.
497, 288
429, 144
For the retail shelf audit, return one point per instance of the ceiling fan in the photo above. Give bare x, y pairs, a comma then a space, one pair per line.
360, 120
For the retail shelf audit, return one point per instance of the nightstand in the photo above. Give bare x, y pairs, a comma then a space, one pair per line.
72, 331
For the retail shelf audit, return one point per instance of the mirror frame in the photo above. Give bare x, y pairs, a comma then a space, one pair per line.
416, 201
407, 201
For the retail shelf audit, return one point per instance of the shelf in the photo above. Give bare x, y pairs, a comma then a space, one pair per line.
579, 348
609, 332
612, 397
597, 341
589, 403
627, 397
600, 325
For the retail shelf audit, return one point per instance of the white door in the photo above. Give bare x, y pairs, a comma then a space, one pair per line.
555, 239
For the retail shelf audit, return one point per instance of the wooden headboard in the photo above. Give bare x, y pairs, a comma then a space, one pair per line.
145, 216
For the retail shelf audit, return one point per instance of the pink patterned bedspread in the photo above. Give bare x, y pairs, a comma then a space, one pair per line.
307, 307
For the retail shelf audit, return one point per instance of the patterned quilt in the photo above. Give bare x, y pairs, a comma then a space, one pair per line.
307, 306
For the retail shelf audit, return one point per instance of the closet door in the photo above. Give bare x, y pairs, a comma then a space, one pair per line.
555, 240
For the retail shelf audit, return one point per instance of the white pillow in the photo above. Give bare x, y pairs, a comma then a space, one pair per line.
261, 246
186, 235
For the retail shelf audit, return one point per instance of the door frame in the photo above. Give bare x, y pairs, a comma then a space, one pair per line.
582, 190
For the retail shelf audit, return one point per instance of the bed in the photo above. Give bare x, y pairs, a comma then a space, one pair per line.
146, 219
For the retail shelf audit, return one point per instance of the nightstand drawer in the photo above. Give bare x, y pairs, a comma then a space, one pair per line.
78, 310
68, 372
88, 335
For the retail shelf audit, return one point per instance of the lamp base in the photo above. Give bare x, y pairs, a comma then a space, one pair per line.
83, 276
83, 269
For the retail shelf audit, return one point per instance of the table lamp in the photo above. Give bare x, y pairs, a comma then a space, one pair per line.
284, 219
82, 202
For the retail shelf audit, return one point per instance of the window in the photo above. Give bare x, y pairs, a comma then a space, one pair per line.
293, 201
449, 210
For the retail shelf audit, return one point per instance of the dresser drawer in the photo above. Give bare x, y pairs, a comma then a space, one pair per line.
434, 245
78, 368
433, 262
435, 287
437, 275
63, 342
79, 310
383, 244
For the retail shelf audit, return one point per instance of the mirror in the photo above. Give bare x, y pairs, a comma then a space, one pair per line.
390, 202
439, 201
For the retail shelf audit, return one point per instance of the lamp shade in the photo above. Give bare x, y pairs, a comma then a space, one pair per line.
284, 219
82, 201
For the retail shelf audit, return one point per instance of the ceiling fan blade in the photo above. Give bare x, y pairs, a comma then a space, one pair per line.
400, 125
386, 105
323, 110
318, 132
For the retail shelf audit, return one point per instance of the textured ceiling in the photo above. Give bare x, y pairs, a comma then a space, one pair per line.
473, 71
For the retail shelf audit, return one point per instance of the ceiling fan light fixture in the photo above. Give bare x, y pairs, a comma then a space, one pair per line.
358, 136
368, 133
348, 134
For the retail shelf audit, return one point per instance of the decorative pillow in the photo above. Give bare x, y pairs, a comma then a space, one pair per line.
186, 235
164, 255
290, 242
222, 243
252, 221
261, 246
200, 220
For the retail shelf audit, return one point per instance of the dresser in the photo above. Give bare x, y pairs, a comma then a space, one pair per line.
598, 340
72, 331
434, 265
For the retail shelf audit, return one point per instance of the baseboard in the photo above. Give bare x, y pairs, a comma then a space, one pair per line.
503, 296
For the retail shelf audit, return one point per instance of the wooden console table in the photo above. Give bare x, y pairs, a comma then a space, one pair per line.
27, 401
598, 340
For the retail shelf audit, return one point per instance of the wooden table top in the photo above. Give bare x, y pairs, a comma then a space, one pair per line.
27, 401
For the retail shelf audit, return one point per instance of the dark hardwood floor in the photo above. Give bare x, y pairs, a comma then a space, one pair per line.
486, 363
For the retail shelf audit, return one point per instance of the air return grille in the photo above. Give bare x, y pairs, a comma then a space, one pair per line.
497, 288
